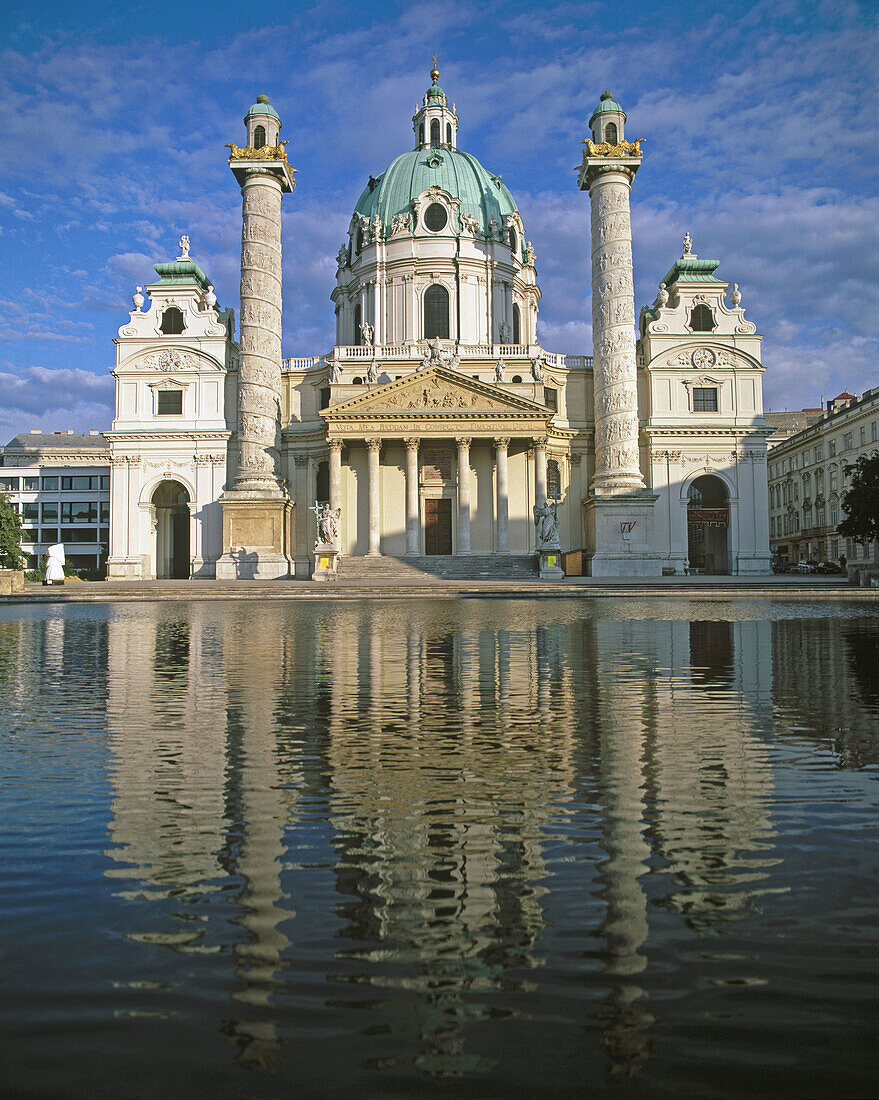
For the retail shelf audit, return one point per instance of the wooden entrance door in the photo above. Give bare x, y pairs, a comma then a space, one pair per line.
437, 526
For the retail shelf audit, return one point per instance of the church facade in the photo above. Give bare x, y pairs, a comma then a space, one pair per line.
438, 426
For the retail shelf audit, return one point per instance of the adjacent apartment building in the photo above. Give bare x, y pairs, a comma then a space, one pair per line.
59, 483
807, 480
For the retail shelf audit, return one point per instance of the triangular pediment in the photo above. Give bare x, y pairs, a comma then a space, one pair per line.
437, 391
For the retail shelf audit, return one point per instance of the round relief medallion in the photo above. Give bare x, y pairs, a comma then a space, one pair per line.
703, 357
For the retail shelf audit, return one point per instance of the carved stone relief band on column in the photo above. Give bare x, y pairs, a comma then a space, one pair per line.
617, 462
259, 374
412, 517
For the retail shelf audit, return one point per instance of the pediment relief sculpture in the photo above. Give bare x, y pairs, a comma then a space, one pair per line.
436, 390
172, 359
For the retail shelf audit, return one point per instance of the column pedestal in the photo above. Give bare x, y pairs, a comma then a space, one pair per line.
257, 537
326, 562
619, 532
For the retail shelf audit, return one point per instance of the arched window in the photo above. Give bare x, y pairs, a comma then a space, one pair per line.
517, 325
358, 315
259, 137
436, 312
701, 319
514, 241
358, 381
610, 133
448, 133
359, 244
517, 378
421, 134
435, 132
172, 321
322, 482
553, 479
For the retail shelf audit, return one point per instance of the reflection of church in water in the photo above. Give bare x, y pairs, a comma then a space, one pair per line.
441, 767
438, 423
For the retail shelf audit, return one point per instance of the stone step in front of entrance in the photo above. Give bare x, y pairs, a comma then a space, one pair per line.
473, 567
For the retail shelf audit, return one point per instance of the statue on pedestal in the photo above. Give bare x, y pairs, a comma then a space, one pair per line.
547, 528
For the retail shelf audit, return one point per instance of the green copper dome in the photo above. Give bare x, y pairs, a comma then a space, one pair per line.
606, 103
262, 107
435, 92
482, 195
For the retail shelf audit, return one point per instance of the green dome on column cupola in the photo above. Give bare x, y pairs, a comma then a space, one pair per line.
606, 105
262, 107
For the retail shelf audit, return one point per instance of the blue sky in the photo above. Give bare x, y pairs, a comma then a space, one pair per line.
761, 120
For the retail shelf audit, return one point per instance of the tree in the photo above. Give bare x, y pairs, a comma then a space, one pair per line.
11, 556
861, 501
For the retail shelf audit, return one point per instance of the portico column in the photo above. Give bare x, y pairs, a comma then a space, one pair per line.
373, 446
540, 471
463, 496
411, 496
335, 446
503, 498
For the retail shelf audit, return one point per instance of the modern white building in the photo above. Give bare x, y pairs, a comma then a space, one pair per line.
59, 483
437, 423
808, 476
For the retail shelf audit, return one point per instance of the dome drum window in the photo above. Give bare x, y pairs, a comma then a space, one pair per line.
436, 217
436, 312
259, 137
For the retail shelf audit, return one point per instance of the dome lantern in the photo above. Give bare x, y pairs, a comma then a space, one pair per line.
608, 121
263, 123
434, 122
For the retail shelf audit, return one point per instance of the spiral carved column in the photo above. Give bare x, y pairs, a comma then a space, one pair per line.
617, 465
259, 372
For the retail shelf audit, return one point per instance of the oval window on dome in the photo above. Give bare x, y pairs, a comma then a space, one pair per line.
436, 217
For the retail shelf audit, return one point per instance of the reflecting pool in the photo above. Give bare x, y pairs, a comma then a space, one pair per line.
454, 847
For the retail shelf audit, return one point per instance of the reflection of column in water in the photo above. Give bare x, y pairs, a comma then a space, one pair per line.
468, 674
260, 818
165, 716
440, 839
622, 695
710, 778
413, 678
542, 662
503, 678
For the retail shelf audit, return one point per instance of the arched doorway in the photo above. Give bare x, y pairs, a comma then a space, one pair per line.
171, 503
708, 525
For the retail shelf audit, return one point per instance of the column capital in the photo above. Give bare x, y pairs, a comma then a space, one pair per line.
540, 441
464, 441
502, 442
335, 445
412, 444
373, 444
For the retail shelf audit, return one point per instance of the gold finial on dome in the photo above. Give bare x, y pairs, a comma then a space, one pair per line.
434, 72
